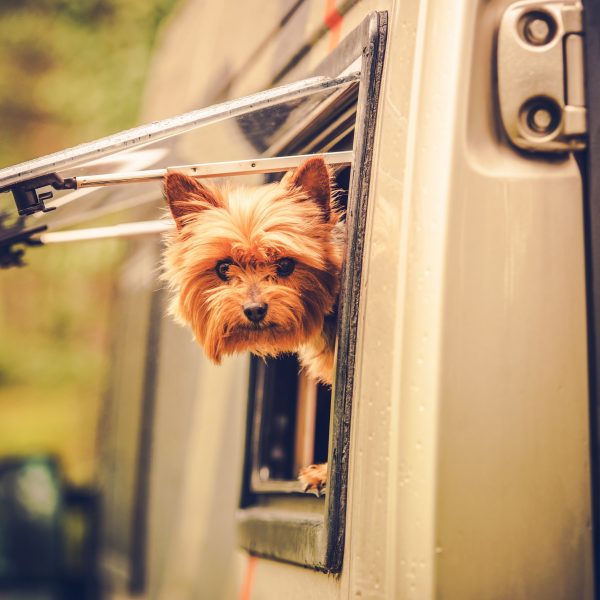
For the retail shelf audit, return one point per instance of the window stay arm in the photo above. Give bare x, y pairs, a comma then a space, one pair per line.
220, 169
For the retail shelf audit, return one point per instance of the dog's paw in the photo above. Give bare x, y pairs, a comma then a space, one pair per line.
314, 478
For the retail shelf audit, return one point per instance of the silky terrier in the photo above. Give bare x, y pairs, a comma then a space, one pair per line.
258, 268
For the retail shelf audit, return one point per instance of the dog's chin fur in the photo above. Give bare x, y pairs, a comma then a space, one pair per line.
254, 228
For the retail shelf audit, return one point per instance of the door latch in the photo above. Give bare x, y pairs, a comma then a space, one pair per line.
541, 82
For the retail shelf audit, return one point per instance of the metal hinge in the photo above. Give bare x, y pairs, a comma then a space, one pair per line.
541, 80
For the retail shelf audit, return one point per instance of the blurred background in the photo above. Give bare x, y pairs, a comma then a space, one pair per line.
71, 71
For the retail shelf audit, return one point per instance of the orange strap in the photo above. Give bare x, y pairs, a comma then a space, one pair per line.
333, 21
246, 590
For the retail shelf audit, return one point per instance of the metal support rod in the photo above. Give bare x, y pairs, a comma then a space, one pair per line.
123, 230
222, 169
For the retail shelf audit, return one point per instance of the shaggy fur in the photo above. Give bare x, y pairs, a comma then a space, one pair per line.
254, 228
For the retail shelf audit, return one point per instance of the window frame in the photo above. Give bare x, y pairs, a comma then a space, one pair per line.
305, 530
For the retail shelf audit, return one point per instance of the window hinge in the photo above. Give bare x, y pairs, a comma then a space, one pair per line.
541, 78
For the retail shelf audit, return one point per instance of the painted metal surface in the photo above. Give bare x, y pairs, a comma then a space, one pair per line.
469, 467
474, 349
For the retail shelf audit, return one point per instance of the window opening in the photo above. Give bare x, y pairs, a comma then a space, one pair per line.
291, 412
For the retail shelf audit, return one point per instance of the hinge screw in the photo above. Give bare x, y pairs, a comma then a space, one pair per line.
538, 30
541, 120
540, 116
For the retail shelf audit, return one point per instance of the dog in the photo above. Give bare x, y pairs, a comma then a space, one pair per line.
258, 269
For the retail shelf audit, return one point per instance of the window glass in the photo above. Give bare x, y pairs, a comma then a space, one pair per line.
253, 128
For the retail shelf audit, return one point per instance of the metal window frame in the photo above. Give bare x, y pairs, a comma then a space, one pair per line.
315, 538
206, 170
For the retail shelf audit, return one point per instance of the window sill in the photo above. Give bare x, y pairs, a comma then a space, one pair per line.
279, 534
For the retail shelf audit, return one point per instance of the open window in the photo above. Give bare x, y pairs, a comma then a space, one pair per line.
292, 421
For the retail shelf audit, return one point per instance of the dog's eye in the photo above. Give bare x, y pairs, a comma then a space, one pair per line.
285, 267
222, 269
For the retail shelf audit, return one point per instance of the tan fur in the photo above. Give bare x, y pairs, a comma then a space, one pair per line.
254, 228
314, 478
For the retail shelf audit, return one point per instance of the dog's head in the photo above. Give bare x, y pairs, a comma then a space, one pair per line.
254, 268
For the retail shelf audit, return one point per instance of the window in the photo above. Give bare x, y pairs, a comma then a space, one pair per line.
291, 421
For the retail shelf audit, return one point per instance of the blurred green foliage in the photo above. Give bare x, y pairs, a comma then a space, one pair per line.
70, 71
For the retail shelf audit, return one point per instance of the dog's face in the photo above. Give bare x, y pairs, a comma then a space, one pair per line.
254, 268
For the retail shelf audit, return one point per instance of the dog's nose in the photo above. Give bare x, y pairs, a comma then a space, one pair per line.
255, 311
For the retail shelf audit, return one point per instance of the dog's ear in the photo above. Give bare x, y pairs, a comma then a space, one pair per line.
314, 178
186, 196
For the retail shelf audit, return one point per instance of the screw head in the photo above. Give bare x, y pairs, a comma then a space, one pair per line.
540, 116
538, 28
541, 120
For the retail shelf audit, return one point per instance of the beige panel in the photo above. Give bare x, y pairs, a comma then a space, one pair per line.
204, 48
175, 406
119, 428
378, 562
514, 492
278, 580
200, 560
473, 342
